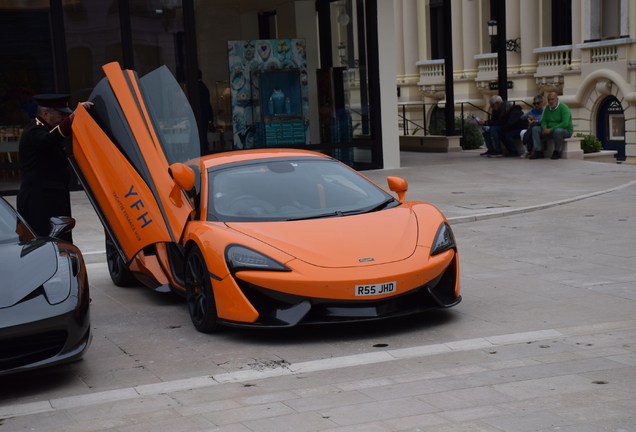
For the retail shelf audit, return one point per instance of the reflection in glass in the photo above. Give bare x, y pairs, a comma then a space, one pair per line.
172, 116
349, 51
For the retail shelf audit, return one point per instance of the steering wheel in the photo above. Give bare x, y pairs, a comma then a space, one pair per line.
242, 198
250, 205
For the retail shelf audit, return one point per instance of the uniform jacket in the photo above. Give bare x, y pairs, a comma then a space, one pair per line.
44, 190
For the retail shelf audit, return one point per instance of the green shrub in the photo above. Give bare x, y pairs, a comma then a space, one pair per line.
472, 138
589, 143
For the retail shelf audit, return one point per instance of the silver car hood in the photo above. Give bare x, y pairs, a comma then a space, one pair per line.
23, 268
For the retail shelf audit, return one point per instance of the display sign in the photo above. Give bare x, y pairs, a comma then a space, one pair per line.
495, 85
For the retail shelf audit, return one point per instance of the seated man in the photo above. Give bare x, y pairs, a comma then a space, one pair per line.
511, 130
491, 136
556, 124
534, 120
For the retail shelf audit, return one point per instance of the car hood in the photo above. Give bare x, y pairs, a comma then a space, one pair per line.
24, 267
348, 241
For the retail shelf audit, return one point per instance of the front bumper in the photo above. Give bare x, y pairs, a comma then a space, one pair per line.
278, 309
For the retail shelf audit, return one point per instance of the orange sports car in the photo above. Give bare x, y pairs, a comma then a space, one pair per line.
258, 238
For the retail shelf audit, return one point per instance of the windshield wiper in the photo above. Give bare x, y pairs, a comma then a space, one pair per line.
319, 216
337, 213
382, 205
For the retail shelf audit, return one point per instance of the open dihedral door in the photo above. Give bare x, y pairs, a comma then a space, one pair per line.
122, 151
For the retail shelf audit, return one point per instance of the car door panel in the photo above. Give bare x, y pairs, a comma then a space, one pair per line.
119, 152
124, 202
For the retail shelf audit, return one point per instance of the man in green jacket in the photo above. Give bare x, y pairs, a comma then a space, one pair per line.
556, 124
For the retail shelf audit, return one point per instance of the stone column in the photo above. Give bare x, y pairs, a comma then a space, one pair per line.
399, 39
409, 36
530, 27
577, 34
512, 33
458, 39
422, 30
388, 95
470, 40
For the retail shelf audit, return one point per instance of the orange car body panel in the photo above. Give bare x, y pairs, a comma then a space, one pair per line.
150, 266
394, 243
176, 214
137, 215
125, 199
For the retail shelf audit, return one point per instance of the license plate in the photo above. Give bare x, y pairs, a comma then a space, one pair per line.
375, 289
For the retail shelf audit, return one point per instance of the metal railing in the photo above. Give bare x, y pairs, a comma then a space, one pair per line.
406, 121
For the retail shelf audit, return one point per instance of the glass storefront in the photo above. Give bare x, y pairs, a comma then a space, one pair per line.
191, 39
26, 69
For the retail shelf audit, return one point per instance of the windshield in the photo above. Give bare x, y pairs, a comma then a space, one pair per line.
12, 228
291, 189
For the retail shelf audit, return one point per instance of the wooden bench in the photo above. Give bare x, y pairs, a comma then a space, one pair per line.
571, 148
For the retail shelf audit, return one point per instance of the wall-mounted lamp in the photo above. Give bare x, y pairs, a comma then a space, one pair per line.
512, 45
492, 28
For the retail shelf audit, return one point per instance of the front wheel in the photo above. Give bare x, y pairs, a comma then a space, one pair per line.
119, 273
199, 293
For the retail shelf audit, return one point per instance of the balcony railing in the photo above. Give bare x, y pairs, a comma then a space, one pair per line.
604, 54
606, 51
554, 59
488, 64
560, 58
431, 68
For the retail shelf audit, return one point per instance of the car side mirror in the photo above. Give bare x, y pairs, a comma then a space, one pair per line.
399, 186
184, 178
61, 225
182, 175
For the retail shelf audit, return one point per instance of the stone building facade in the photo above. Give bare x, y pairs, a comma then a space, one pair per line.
585, 50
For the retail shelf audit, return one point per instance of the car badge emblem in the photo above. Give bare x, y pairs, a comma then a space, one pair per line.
366, 259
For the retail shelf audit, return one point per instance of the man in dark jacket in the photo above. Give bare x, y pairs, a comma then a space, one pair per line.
505, 122
44, 189
491, 136
511, 130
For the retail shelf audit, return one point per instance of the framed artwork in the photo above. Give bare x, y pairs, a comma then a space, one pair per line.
616, 127
269, 92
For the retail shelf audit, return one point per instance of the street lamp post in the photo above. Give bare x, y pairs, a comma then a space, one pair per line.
502, 61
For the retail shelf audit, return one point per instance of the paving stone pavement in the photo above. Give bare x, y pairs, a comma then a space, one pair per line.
545, 339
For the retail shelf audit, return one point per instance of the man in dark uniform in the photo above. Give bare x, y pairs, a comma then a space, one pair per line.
44, 191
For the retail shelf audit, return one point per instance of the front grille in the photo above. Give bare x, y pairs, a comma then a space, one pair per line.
270, 302
30, 349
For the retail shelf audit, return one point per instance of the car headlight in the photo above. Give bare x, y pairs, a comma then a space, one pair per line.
58, 288
243, 258
444, 239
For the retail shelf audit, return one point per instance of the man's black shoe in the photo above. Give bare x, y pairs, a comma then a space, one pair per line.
486, 153
556, 155
495, 154
536, 155
515, 154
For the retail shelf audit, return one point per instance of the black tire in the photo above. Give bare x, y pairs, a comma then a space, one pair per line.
199, 293
119, 273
